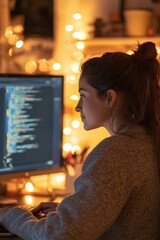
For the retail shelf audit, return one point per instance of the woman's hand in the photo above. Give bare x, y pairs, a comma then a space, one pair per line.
45, 207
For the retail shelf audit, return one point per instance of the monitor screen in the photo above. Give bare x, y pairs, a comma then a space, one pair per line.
31, 111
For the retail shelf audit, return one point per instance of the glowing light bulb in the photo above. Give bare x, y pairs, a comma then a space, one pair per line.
71, 79
82, 36
67, 147
18, 29
56, 66
19, 44
8, 32
67, 131
74, 97
76, 35
28, 199
76, 148
13, 39
130, 52
78, 55
80, 45
58, 180
75, 68
43, 65
31, 67
29, 187
69, 28
77, 16
10, 52
75, 123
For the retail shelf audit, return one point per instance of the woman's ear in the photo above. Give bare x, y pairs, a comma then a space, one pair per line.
111, 97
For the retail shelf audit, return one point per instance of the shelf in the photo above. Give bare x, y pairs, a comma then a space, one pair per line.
112, 41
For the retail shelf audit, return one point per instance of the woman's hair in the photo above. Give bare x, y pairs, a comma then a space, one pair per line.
136, 78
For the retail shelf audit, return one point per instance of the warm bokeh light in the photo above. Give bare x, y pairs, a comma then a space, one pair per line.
69, 28
80, 45
71, 79
76, 148
79, 35
76, 35
18, 29
56, 66
10, 52
8, 32
74, 97
75, 123
77, 16
130, 52
58, 180
29, 187
67, 130
28, 199
78, 55
75, 68
13, 39
19, 44
43, 65
158, 50
67, 147
31, 66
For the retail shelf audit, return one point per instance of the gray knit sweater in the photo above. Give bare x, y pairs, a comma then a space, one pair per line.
117, 197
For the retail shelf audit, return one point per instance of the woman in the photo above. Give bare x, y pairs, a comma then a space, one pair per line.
118, 194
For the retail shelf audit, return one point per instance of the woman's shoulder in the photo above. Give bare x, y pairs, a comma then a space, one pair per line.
126, 146
136, 135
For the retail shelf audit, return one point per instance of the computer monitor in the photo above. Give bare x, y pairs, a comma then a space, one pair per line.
31, 112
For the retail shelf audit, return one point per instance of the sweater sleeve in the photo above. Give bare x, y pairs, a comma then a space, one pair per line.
100, 194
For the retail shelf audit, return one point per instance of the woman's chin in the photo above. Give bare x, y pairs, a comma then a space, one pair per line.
87, 128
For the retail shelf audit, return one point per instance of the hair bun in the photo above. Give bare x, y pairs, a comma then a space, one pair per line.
146, 50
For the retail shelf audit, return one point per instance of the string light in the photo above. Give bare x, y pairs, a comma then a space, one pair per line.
56, 66
31, 66
71, 79
67, 131
77, 16
67, 147
75, 67
19, 44
75, 123
77, 55
43, 65
74, 97
29, 187
80, 45
8, 32
69, 28
76, 148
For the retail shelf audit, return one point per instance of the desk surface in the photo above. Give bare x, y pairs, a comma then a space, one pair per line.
31, 200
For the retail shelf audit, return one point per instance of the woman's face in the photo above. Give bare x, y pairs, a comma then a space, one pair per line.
92, 109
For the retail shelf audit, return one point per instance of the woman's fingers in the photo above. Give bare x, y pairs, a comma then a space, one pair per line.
45, 207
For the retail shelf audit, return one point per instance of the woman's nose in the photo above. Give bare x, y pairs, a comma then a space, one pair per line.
77, 108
